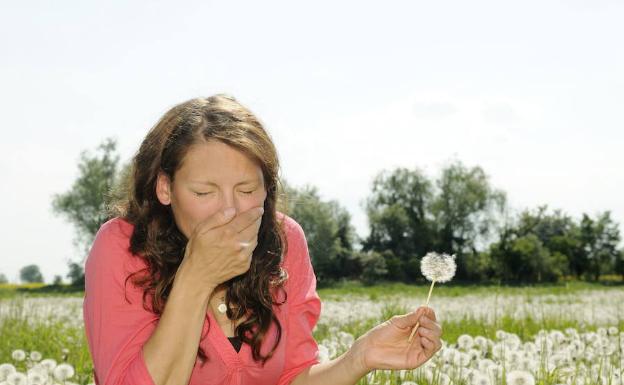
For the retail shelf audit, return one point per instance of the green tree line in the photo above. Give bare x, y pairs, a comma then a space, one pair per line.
409, 214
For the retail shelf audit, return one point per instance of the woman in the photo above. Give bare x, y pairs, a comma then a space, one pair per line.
199, 279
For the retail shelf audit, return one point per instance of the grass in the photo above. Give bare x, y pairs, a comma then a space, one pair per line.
50, 338
339, 290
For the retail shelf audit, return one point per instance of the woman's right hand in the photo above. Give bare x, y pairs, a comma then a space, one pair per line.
221, 247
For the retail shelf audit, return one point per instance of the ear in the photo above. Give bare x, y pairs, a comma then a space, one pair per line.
163, 188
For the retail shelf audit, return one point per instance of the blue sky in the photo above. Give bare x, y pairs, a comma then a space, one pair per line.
530, 91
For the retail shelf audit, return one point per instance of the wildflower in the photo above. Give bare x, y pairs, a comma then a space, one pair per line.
17, 378
37, 377
520, 377
465, 342
35, 356
5, 370
323, 353
436, 268
18, 355
63, 372
481, 379
49, 364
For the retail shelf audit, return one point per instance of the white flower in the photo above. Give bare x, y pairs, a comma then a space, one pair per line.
481, 379
520, 377
63, 372
438, 267
5, 370
323, 353
35, 356
17, 378
37, 377
465, 342
18, 355
49, 364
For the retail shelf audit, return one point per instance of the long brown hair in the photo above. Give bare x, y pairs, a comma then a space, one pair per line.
158, 241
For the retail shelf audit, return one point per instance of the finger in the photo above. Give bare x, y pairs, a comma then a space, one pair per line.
250, 231
429, 323
430, 313
407, 320
249, 245
429, 333
428, 344
219, 218
246, 218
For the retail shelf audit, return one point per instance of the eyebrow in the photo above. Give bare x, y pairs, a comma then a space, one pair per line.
209, 183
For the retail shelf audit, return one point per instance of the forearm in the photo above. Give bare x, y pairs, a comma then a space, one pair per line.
346, 369
171, 351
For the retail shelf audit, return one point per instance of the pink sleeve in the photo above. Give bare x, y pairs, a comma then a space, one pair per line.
305, 306
116, 330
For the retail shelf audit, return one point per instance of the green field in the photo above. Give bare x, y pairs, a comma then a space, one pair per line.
523, 316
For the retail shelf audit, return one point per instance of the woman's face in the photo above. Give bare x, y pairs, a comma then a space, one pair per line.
213, 176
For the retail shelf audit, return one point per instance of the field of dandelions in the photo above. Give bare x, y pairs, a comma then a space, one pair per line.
564, 334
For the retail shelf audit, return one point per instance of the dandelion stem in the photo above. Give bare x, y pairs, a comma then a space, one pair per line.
427, 304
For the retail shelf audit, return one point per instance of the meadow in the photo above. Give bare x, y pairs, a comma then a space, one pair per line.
569, 333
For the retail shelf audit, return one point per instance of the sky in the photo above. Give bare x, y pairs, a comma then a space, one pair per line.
530, 91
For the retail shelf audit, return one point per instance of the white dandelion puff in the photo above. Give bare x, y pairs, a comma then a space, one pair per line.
17, 378
18, 355
436, 268
520, 377
35, 356
36, 377
49, 364
63, 372
5, 370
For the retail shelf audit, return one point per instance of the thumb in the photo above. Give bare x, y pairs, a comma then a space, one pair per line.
408, 320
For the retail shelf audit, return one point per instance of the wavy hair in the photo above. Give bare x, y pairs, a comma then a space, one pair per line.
156, 238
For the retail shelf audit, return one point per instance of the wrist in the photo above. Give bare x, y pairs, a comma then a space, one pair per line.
356, 357
185, 281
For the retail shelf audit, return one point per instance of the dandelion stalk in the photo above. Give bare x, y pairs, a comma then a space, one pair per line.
436, 268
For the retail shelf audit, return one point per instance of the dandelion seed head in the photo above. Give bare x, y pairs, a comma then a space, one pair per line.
17, 378
5, 370
520, 377
35, 356
18, 355
63, 372
438, 267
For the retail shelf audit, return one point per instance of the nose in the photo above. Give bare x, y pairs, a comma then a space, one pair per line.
228, 200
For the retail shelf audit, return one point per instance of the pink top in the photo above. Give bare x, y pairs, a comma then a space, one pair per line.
117, 330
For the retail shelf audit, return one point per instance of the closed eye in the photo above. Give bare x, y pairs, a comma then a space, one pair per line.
203, 193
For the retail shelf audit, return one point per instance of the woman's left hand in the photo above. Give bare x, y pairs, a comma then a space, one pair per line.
386, 347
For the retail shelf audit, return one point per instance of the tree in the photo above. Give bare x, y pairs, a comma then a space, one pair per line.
31, 274
328, 231
85, 203
400, 223
465, 211
3, 278
76, 274
600, 238
58, 280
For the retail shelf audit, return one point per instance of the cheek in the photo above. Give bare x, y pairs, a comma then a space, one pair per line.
190, 211
247, 202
